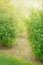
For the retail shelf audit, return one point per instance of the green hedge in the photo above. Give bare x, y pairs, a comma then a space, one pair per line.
35, 33
8, 25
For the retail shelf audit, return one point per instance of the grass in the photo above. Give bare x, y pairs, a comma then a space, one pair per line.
8, 60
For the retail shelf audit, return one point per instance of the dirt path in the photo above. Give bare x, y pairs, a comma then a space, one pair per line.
21, 49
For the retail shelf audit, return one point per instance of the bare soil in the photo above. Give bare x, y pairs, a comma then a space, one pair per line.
21, 49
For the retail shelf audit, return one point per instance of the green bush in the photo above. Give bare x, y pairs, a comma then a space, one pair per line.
35, 33
8, 26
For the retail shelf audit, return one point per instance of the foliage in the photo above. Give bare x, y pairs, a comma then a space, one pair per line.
8, 24
35, 32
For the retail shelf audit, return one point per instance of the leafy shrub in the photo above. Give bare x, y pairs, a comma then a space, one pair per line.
8, 26
35, 32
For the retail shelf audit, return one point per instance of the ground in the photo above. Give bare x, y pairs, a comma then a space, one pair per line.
21, 49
